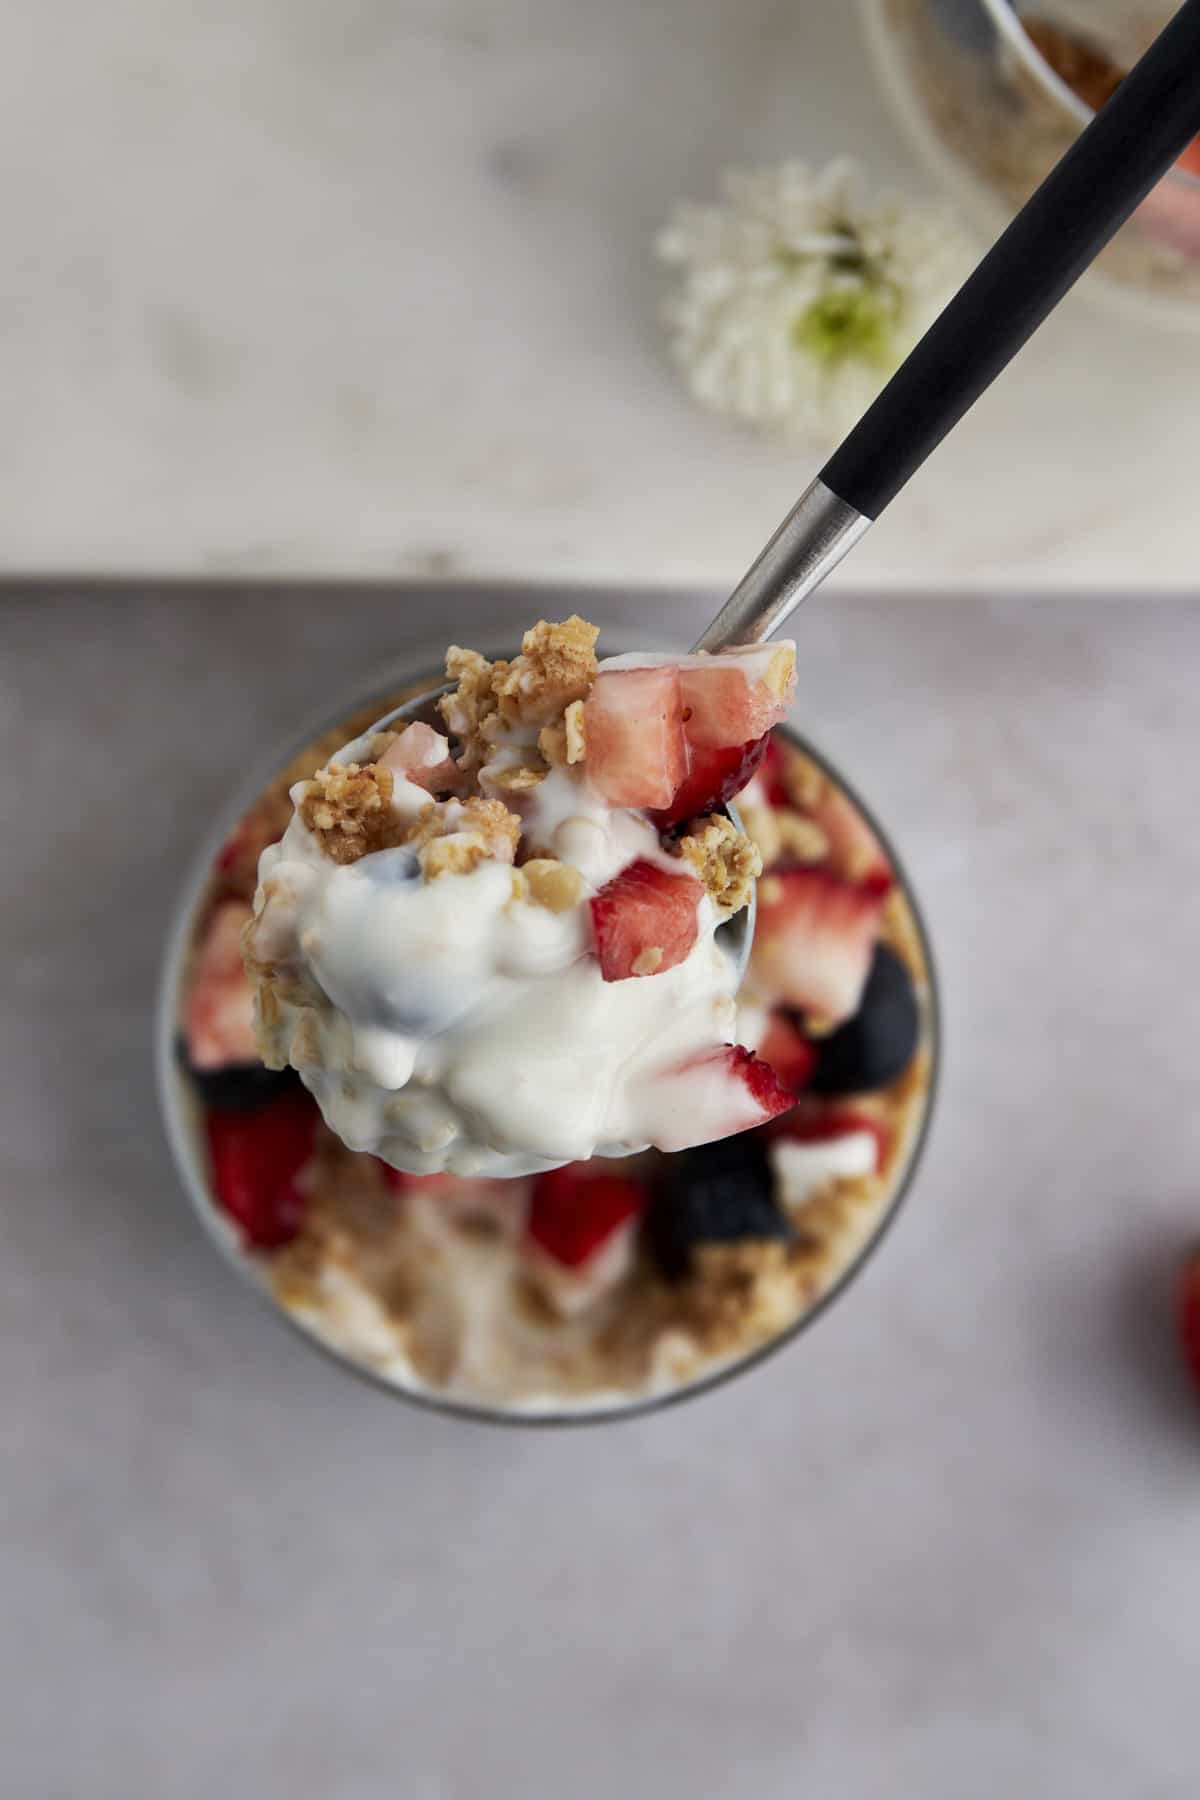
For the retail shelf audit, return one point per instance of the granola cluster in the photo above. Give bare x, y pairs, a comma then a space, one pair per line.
512, 723
544, 687
724, 859
456, 837
348, 809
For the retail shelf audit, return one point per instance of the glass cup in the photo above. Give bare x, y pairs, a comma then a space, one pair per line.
183, 1113
991, 95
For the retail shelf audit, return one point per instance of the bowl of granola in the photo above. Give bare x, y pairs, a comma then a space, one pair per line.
608, 1286
992, 95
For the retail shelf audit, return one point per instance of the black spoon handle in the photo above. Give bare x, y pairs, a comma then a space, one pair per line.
1085, 199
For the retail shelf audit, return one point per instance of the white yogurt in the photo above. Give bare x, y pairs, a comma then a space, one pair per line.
457, 1029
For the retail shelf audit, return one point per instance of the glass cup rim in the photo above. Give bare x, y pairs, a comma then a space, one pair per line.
1007, 22
177, 1105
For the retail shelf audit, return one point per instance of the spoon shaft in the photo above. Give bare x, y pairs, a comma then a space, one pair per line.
1088, 195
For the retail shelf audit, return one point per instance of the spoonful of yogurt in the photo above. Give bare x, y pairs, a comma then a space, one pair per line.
515, 941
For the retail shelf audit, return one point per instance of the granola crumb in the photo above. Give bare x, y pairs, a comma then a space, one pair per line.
725, 859
517, 780
819, 1025
304, 1051
552, 884
781, 672
738, 1293
804, 782
471, 704
647, 961
454, 839
801, 839
762, 825
575, 730
563, 743
556, 667
269, 1034
348, 809
552, 745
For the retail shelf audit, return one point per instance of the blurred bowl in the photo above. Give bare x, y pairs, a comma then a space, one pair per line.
183, 1112
992, 95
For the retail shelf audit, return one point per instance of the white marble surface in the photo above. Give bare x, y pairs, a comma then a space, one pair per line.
366, 287
946, 1546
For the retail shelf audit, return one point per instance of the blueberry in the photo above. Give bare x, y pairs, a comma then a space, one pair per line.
239, 1087
879, 1042
392, 868
716, 1194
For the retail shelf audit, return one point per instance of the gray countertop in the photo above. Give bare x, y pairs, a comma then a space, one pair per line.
947, 1545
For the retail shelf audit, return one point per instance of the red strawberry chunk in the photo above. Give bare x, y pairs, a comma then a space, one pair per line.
774, 779
256, 1159
855, 851
575, 1213
806, 1127
218, 1013
680, 738
713, 777
814, 940
1189, 162
1189, 1315
792, 1056
645, 920
732, 698
237, 859
422, 755
633, 721
400, 1182
716, 1094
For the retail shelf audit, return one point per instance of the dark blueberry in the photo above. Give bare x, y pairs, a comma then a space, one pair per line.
239, 1087
716, 1194
879, 1042
392, 868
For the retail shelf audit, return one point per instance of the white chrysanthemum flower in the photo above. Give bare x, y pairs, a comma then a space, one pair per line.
800, 296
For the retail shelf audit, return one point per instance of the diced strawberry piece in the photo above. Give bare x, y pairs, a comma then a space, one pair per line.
422, 755
400, 1182
633, 721
256, 1158
1189, 1315
574, 1213
714, 1095
773, 779
732, 698
807, 1127
237, 859
713, 777
644, 920
855, 851
792, 1056
1189, 162
680, 738
806, 1154
814, 939
218, 1014
234, 847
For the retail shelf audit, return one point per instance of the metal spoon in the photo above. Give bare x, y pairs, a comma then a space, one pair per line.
1125, 151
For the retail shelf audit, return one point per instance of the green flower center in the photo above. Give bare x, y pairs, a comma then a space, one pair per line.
855, 320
